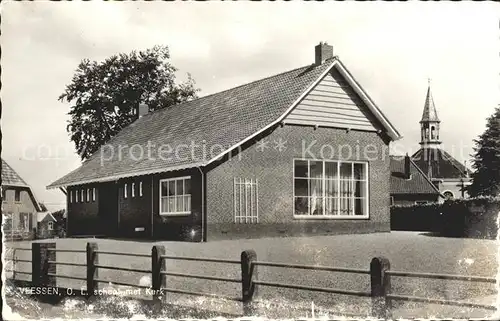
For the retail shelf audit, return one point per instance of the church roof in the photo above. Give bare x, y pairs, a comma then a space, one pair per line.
430, 113
418, 183
437, 163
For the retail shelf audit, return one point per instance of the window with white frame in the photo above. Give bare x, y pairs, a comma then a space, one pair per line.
93, 194
88, 195
132, 193
50, 225
81, 195
333, 189
71, 196
125, 190
175, 196
76, 196
140, 188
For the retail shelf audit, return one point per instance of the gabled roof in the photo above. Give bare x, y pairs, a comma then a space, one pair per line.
418, 183
221, 121
430, 113
40, 216
437, 163
10, 176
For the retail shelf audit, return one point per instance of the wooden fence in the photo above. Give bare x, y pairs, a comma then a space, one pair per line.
44, 274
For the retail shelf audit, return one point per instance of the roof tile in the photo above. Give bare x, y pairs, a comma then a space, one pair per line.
417, 184
216, 121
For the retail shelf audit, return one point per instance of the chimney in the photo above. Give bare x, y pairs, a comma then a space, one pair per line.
142, 110
323, 51
407, 167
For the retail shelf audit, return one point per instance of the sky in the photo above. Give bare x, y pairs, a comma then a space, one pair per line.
390, 48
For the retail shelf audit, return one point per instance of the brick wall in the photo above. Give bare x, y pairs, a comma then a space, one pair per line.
274, 170
184, 227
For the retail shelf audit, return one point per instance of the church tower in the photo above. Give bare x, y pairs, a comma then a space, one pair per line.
448, 174
429, 124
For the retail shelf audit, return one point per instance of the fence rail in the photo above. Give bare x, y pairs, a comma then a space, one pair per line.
312, 288
200, 259
199, 276
44, 265
311, 267
66, 263
123, 253
443, 276
123, 284
62, 276
66, 250
118, 268
17, 272
17, 260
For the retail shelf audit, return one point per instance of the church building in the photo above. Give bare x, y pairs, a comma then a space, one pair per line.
448, 174
431, 174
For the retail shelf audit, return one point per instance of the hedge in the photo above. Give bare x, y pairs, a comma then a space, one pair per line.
473, 217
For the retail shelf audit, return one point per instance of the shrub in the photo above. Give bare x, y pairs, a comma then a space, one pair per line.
473, 217
418, 217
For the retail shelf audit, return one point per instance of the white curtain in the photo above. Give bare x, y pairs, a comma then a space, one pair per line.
331, 192
316, 184
346, 190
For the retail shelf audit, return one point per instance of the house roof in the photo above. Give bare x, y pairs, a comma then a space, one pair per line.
219, 123
10, 176
418, 183
430, 112
40, 216
437, 163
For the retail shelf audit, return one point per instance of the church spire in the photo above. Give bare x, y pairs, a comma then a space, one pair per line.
430, 113
429, 124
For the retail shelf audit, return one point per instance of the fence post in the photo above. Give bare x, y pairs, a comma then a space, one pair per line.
40, 266
14, 263
158, 265
248, 275
92, 271
380, 287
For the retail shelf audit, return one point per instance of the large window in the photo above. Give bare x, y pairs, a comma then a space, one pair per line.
175, 196
330, 189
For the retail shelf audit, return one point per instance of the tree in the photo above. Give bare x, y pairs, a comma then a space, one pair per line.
486, 163
105, 95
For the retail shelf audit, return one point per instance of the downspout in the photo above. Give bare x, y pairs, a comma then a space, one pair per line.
202, 203
152, 206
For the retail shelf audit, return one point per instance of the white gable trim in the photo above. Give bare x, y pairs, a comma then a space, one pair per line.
323, 74
393, 133
391, 130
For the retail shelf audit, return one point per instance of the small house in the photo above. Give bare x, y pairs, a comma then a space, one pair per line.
303, 152
19, 206
46, 225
